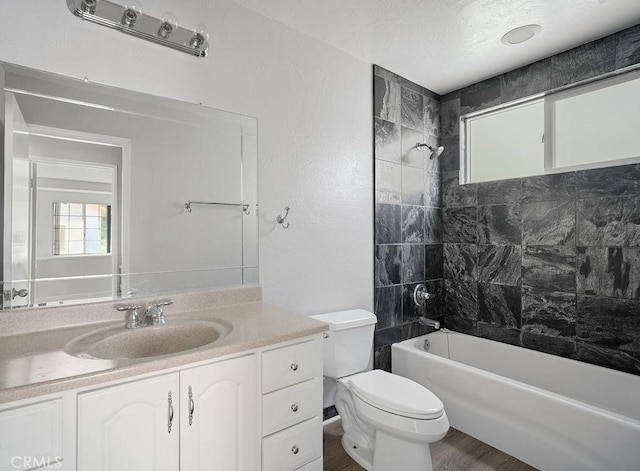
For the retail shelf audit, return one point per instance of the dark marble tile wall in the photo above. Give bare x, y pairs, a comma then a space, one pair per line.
329, 412
408, 214
552, 262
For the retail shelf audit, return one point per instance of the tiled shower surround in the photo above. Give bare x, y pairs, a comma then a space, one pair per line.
408, 235
550, 263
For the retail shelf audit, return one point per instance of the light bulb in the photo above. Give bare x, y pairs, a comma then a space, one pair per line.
89, 6
132, 12
200, 36
168, 25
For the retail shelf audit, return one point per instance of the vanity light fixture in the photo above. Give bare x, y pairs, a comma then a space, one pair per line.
128, 19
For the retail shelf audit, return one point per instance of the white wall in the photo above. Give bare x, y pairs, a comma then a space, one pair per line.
314, 106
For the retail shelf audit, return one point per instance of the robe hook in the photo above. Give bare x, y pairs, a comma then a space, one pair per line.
280, 219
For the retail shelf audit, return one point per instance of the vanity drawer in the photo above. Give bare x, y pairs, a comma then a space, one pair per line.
292, 405
315, 465
293, 447
291, 365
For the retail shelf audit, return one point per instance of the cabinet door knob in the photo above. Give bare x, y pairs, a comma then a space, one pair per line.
294, 366
295, 449
294, 407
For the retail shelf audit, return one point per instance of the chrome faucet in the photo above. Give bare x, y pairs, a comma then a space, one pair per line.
428, 322
153, 314
133, 319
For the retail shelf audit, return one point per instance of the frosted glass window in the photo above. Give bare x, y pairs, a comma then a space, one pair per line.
507, 143
584, 126
599, 124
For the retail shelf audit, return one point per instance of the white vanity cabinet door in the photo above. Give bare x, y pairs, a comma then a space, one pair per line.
31, 436
126, 427
219, 410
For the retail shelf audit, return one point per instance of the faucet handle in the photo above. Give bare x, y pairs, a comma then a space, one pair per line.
133, 320
155, 312
420, 295
127, 307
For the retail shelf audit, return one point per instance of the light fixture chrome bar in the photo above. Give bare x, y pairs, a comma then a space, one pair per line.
114, 16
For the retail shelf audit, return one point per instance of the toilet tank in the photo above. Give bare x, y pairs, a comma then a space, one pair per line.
348, 345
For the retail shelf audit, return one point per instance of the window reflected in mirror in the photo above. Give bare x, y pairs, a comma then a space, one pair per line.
81, 228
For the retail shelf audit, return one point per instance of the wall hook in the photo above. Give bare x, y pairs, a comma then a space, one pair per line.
280, 219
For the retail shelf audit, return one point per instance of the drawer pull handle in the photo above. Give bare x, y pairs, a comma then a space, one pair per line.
295, 449
294, 407
294, 366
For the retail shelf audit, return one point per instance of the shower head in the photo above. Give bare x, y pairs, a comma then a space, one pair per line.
435, 152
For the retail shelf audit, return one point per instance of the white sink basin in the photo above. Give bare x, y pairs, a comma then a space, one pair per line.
115, 343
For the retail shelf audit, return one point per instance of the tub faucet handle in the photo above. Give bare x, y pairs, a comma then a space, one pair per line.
420, 295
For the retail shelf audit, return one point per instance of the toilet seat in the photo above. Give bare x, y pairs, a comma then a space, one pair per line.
396, 395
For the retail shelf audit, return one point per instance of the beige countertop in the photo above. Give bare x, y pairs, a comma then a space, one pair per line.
34, 362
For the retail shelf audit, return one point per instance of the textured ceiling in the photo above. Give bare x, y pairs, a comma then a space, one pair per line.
444, 45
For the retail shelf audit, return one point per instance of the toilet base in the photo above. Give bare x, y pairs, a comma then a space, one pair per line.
361, 455
390, 454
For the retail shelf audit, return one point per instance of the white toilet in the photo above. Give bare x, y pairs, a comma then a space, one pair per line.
389, 421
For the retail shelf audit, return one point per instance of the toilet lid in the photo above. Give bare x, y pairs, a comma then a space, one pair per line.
396, 394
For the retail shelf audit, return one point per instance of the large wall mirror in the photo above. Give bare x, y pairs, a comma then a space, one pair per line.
109, 193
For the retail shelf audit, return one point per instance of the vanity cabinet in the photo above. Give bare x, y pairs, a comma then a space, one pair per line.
260, 409
201, 418
219, 416
292, 407
132, 426
31, 436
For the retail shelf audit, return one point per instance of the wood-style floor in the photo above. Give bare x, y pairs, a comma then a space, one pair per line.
456, 452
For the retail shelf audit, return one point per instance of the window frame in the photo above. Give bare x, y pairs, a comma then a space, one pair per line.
465, 161
56, 231
550, 98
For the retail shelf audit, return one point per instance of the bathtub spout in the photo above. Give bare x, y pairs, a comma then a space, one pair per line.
430, 322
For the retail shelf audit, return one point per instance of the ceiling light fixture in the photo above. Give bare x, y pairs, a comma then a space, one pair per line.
521, 34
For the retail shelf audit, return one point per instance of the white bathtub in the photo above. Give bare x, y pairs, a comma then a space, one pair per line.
550, 412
